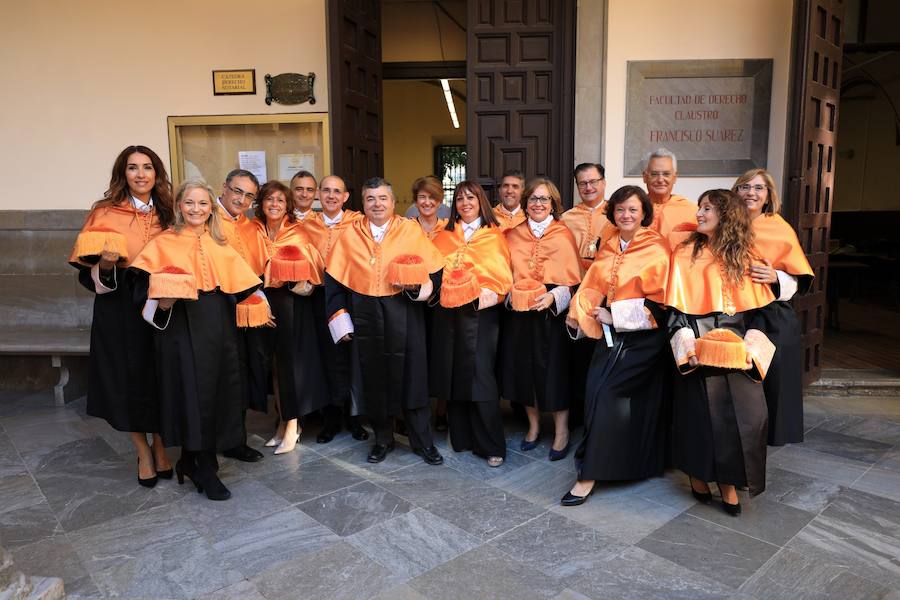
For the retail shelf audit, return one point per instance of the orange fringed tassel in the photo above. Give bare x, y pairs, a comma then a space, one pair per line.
459, 288
524, 292
722, 348
289, 265
252, 312
92, 242
586, 300
172, 282
407, 269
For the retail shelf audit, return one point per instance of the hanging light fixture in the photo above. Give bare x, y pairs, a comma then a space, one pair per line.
445, 85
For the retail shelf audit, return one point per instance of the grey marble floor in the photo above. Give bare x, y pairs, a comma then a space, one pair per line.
323, 523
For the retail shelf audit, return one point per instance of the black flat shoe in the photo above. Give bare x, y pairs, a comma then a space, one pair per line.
559, 454
327, 434
430, 455
702, 497
357, 431
440, 424
732, 509
379, 452
527, 445
243, 453
571, 499
150, 481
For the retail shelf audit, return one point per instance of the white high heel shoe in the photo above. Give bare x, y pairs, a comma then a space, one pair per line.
287, 445
274, 441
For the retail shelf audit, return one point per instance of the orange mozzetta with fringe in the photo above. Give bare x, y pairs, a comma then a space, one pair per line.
252, 312
172, 282
213, 265
359, 263
293, 234
486, 254
459, 287
407, 269
93, 242
552, 258
289, 264
777, 241
524, 292
135, 226
696, 287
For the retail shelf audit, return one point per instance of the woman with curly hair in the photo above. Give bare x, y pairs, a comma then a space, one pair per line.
719, 411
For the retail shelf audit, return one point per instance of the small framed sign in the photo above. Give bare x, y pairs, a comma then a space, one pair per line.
236, 82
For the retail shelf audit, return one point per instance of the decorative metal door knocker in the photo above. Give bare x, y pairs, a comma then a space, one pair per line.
290, 88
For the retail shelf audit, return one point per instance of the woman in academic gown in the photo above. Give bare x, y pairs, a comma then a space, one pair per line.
719, 410
122, 377
620, 303
535, 351
786, 269
189, 280
477, 277
299, 371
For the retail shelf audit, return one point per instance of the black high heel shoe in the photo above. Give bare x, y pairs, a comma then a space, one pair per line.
167, 474
571, 499
732, 509
150, 481
203, 476
702, 497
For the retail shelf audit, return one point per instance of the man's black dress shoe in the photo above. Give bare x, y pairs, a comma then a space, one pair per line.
379, 452
357, 431
243, 453
430, 455
571, 499
327, 434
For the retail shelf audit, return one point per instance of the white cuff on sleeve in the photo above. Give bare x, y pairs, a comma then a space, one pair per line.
149, 311
630, 315
98, 285
562, 296
425, 291
340, 325
787, 284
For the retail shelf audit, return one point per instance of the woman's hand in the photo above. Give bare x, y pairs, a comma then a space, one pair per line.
108, 260
302, 288
603, 315
763, 273
346, 338
692, 361
487, 299
166, 303
543, 302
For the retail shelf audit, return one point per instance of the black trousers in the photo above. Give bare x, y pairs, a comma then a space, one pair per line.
476, 426
417, 425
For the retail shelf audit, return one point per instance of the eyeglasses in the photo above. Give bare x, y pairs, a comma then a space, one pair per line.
589, 182
241, 193
542, 200
663, 174
746, 187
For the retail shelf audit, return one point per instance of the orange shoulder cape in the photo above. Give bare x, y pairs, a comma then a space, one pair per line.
508, 221
323, 236
244, 236
696, 287
552, 258
293, 234
777, 241
486, 254
641, 271
359, 263
440, 225
213, 265
590, 227
670, 217
137, 227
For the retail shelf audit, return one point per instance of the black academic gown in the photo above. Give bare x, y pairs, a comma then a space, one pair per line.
626, 398
121, 367
256, 346
336, 359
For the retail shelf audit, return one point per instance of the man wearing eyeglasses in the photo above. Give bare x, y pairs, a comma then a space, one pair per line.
674, 217
238, 193
587, 221
509, 212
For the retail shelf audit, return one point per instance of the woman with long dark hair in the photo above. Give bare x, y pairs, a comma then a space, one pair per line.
135, 208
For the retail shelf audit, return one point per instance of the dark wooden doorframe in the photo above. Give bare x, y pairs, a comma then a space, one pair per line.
811, 152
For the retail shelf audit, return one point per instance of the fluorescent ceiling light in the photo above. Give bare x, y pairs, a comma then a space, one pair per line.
445, 85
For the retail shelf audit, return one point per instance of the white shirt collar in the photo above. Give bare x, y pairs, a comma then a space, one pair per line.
512, 212
141, 205
623, 244
538, 227
300, 214
378, 232
470, 228
332, 221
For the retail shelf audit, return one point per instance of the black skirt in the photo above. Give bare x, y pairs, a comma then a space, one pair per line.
783, 384
336, 358
625, 406
298, 359
464, 355
122, 373
535, 360
256, 345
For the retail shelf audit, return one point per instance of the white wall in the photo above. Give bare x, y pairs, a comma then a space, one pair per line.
694, 29
82, 80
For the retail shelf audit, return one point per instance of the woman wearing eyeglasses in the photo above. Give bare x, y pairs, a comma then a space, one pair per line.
476, 278
535, 353
786, 269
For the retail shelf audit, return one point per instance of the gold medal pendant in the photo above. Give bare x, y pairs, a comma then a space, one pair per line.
592, 248
372, 261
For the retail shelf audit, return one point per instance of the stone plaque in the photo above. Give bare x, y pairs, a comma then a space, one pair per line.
713, 114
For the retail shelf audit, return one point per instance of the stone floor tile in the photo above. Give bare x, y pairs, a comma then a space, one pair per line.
56, 557
639, 575
721, 554
568, 594
35, 441
876, 407
477, 467
338, 572
791, 576
799, 491
354, 459
890, 460
74, 455
242, 590
309, 480
413, 543
847, 446
341, 443
537, 482
761, 518
28, 525
422, 484
880, 482
485, 572
10, 461
879, 430
626, 518
401, 592
818, 465
265, 542
355, 508
557, 546
19, 491
485, 513
283, 463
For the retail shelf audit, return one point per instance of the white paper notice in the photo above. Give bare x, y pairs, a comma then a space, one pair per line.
290, 164
255, 162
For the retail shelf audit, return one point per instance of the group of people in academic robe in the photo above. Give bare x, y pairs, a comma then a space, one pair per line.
671, 319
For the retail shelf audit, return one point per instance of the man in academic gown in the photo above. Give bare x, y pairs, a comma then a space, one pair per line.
383, 323
674, 216
587, 221
509, 212
324, 228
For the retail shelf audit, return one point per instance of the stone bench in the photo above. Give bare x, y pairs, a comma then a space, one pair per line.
45, 314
